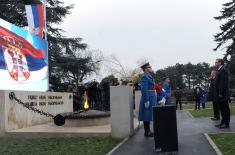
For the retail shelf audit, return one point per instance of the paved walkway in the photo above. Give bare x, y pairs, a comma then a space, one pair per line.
191, 137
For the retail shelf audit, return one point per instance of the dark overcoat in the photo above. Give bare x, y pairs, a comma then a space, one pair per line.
221, 87
211, 90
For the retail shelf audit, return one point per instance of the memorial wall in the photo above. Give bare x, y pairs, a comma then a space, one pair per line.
13, 115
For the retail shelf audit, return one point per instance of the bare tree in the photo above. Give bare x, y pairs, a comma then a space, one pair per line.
113, 65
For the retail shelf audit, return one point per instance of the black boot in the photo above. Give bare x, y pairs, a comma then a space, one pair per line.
148, 134
147, 131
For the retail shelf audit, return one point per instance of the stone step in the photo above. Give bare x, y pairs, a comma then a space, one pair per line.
52, 131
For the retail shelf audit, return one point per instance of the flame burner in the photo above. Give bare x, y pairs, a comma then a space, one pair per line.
83, 118
86, 104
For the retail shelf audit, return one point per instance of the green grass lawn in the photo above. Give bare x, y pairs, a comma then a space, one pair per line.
208, 112
225, 142
191, 105
58, 146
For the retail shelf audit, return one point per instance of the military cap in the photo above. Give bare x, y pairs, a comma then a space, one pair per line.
144, 65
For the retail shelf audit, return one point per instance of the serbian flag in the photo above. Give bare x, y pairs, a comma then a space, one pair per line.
20, 59
35, 18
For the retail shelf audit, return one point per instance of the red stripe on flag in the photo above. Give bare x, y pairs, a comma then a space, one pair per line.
41, 19
10, 40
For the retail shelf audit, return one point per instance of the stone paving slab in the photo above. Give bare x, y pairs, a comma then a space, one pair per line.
50, 130
191, 137
50, 127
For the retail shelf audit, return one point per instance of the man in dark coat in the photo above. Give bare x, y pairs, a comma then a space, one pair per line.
211, 97
221, 93
178, 96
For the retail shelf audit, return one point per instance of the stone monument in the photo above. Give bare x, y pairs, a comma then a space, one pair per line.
122, 116
31, 108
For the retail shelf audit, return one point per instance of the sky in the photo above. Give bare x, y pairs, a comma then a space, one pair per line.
165, 32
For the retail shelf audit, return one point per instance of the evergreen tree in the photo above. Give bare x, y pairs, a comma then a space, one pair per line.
185, 75
226, 38
227, 35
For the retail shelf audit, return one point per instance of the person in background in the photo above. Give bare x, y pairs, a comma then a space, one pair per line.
70, 88
178, 96
211, 97
197, 96
148, 99
221, 93
77, 102
51, 88
166, 86
203, 98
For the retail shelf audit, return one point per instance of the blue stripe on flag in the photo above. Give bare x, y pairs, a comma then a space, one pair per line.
2, 61
34, 63
35, 15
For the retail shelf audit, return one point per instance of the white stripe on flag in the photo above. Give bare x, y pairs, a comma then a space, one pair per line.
38, 75
29, 14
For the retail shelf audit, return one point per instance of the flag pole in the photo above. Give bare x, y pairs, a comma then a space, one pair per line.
45, 17
45, 32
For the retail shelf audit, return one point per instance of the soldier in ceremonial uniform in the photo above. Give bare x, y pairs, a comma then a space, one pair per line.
166, 86
148, 99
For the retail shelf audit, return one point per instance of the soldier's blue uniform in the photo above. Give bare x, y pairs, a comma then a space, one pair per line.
148, 94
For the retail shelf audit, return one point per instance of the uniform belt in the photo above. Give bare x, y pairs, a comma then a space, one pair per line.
152, 90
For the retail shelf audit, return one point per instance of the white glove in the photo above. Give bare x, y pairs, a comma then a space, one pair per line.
162, 101
146, 104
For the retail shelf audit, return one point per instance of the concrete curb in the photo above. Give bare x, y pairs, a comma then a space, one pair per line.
116, 147
189, 114
218, 152
124, 140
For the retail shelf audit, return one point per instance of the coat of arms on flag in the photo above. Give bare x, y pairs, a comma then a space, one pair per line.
15, 61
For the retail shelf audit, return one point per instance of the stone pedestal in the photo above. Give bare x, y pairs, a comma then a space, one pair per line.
121, 108
14, 116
